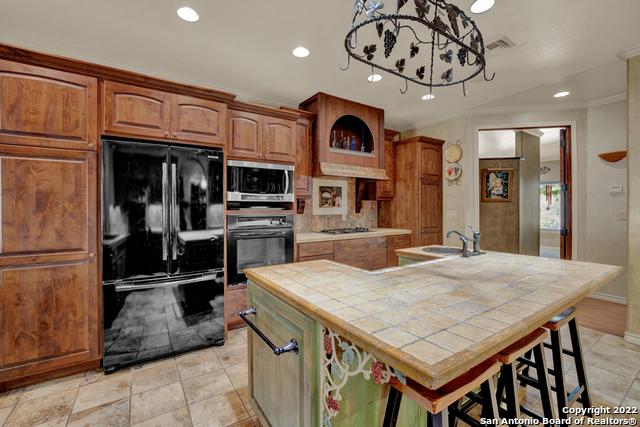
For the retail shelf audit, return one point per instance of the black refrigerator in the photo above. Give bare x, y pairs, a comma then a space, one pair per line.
162, 250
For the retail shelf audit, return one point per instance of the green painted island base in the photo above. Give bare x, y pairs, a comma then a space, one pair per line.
329, 382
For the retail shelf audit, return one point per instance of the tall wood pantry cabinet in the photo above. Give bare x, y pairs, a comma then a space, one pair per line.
50, 311
419, 181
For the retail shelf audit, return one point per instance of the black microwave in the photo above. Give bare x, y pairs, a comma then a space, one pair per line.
259, 182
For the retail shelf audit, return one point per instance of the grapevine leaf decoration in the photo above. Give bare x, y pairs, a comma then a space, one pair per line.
369, 51
420, 72
447, 56
359, 6
422, 8
380, 28
452, 13
400, 65
401, 3
389, 42
439, 23
462, 56
413, 50
448, 75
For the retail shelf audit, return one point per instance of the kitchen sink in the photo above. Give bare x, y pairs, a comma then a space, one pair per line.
441, 250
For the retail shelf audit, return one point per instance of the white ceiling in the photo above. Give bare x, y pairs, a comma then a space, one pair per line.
245, 47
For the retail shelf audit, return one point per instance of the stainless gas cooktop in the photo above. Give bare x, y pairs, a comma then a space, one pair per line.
346, 230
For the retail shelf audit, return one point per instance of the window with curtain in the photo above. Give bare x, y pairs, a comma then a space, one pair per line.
550, 206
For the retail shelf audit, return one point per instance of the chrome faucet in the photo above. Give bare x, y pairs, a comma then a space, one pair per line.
476, 240
465, 241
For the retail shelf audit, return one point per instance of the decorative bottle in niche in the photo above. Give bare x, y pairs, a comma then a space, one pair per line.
362, 149
352, 147
334, 140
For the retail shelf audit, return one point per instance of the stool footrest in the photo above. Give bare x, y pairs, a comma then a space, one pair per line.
574, 395
564, 350
530, 413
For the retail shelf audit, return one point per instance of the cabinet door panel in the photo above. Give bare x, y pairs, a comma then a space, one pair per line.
49, 317
279, 141
385, 189
198, 120
368, 254
292, 375
245, 136
47, 108
430, 212
48, 202
44, 204
132, 110
430, 161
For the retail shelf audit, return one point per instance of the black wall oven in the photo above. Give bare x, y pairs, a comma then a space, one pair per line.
163, 250
255, 241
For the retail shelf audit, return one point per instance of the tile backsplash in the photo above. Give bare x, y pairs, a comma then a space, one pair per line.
368, 216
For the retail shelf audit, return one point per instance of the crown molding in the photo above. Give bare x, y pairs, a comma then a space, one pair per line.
607, 100
527, 108
629, 53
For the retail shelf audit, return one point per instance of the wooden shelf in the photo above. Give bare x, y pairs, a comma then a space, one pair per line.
351, 152
613, 156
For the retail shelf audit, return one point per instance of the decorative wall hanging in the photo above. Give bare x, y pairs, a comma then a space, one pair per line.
496, 185
431, 43
330, 197
453, 154
545, 170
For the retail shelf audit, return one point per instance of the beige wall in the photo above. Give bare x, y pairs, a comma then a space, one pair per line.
499, 221
633, 141
606, 212
554, 173
529, 194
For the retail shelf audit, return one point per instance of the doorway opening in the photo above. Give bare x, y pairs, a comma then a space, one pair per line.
525, 186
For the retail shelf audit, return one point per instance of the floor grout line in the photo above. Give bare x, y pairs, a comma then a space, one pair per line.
184, 394
74, 403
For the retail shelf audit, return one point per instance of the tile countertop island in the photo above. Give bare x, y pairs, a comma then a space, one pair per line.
312, 237
431, 321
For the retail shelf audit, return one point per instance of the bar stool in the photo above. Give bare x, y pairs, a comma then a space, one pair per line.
580, 393
442, 404
516, 357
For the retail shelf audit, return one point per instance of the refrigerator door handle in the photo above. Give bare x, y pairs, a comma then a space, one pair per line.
165, 211
176, 221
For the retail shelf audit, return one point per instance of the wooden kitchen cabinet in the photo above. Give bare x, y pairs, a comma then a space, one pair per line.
279, 140
262, 133
235, 302
386, 189
304, 153
419, 178
136, 111
47, 108
282, 388
198, 120
396, 242
367, 253
245, 135
50, 308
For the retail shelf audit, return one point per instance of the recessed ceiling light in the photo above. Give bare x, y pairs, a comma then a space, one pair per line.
300, 52
562, 94
374, 78
481, 6
188, 14
428, 97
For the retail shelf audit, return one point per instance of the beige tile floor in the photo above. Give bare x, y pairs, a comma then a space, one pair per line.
209, 388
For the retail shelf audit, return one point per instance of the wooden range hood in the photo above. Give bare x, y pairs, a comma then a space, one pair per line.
341, 119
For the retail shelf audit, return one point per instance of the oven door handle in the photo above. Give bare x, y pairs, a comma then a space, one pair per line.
291, 346
286, 182
280, 233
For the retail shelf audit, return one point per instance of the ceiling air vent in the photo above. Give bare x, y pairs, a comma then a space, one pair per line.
502, 43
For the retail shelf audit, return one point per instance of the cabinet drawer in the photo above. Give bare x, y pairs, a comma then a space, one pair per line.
367, 259
399, 241
328, 257
358, 245
314, 249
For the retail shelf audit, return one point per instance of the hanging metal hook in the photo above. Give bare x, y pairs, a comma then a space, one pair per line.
348, 64
406, 87
484, 71
464, 89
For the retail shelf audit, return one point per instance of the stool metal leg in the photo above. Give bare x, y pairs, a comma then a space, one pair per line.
576, 348
558, 372
508, 377
393, 408
441, 419
543, 381
489, 402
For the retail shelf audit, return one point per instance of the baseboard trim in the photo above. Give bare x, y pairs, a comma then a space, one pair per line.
632, 338
610, 298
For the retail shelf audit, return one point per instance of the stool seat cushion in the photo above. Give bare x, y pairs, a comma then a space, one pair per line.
561, 319
520, 347
435, 401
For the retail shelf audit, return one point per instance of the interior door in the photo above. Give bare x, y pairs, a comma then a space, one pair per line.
565, 194
197, 210
135, 192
